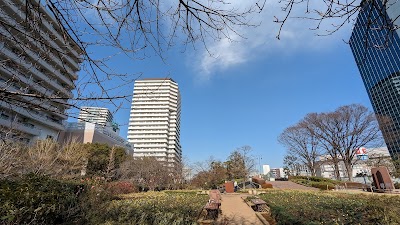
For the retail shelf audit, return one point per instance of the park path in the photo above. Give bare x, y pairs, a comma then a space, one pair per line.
235, 211
290, 185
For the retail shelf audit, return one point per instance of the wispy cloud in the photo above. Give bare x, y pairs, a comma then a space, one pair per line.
261, 41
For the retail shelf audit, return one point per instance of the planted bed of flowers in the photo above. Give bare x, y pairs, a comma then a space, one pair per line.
299, 207
153, 208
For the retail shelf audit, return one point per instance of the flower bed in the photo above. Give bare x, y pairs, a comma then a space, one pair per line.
153, 208
295, 207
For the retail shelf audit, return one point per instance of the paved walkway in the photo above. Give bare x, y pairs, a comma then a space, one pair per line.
235, 211
290, 185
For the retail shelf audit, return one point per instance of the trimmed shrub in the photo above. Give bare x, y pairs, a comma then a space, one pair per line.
162, 208
39, 200
121, 187
297, 207
322, 185
397, 185
266, 185
354, 185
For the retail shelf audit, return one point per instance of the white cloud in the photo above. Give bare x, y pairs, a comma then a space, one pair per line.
295, 36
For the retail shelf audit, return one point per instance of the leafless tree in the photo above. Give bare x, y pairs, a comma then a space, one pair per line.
344, 131
42, 157
300, 142
134, 29
319, 125
146, 172
331, 15
379, 159
240, 164
10, 153
292, 163
74, 159
338, 13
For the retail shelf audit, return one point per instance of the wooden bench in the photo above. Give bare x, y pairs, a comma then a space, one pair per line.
258, 205
213, 204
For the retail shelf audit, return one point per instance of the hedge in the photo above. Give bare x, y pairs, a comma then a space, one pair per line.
39, 200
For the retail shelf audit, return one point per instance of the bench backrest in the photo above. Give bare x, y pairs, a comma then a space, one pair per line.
215, 195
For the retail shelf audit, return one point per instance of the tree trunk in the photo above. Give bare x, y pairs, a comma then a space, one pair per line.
349, 170
336, 170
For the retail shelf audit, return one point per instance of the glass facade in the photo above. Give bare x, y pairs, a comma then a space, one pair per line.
376, 48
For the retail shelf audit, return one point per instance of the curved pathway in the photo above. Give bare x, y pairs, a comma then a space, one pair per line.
290, 185
235, 211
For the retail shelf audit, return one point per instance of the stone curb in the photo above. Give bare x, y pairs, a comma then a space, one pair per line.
261, 218
258, 214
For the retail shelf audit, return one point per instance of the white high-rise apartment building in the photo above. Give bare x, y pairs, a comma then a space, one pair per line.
96, 115
38, 67
154, 124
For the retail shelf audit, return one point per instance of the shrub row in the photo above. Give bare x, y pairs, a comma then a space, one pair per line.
315, 179
39, 200
322, 185
43, 200
294, 207
153, 208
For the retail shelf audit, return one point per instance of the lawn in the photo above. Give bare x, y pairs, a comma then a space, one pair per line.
168, 207
329, 207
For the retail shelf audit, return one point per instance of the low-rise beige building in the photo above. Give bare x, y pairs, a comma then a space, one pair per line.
85, 132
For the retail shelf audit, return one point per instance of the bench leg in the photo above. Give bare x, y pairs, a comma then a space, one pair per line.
212, 214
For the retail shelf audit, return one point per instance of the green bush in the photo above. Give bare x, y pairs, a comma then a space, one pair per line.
162, 208
295, 207
39, 200
322, 185
120, 187
397, 185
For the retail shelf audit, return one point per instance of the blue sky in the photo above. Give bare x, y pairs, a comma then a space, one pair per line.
248, 91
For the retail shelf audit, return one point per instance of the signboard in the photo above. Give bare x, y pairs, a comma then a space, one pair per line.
361, 153
362, 157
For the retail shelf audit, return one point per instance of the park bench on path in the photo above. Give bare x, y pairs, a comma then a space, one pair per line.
213, 204
258, 205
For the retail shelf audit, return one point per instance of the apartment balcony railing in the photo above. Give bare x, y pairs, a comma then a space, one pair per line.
39, 75
23, 127
21, 17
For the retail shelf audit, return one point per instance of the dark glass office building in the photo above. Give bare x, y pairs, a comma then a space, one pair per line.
375, 44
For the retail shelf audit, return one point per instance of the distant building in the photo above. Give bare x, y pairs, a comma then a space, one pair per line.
38, 60
375, 44
277, 173
375, 157
85, 132
95, 126
266, 169
154, 124
96, 115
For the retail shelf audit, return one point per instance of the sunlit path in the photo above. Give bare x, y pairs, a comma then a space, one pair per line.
290, 185
236, 211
